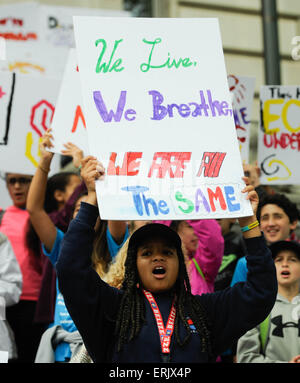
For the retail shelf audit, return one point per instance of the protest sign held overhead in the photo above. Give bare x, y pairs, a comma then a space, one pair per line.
159, 116
26, 109
56, 22
68, 124
18, 22
242, 91
34, 58
279, 135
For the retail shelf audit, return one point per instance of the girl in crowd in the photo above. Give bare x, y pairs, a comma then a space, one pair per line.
10, 291
276, 339
203, 248
51, 238
14, 223
60, 214
59, 204
154, 317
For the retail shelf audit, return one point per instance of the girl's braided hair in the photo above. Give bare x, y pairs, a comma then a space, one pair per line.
131, 315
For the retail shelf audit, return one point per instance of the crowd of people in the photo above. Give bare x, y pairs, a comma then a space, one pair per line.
79, 289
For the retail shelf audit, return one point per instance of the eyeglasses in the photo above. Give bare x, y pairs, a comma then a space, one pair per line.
20, 180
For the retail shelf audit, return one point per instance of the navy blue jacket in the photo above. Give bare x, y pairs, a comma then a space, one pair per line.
93, 304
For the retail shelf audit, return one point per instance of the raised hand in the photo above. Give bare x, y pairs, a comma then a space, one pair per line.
295, 359
45, 155
253, 173
252, 195
73, 151
91, 171
46, 142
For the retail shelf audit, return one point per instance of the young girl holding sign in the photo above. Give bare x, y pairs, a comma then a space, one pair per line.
51, 236
154, 317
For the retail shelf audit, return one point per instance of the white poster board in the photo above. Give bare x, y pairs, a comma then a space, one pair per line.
68, 124
242, 90
19, 22
56, 22
159, 116
279, 135
26, 109
3, 356
34, 58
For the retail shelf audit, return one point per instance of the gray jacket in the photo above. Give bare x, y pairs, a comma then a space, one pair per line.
283, 341
51, 338
10, 291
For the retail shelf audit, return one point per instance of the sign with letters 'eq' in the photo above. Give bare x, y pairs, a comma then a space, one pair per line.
279, 135
159, 117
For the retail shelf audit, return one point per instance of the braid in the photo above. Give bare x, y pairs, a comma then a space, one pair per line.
201, 323
132, 313
197, 313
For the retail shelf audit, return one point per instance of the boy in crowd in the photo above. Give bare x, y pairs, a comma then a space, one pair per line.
281, 342
278, 218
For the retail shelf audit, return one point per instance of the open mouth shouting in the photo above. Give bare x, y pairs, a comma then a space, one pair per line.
159, 272
285, 274
157, 264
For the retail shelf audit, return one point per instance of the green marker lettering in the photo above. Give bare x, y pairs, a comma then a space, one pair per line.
108, 67
190, 205
169, 63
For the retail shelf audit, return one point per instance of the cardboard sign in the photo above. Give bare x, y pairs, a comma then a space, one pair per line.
26, 108
279, 135
159, 117
56, 22
242, 90
68, 124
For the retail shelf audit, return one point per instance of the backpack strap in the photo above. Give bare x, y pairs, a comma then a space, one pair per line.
264, 332
198, 268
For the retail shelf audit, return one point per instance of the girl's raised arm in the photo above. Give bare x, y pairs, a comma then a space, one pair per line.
40, 220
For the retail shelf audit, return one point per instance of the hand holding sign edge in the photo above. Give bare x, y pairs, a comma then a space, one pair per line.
91, 170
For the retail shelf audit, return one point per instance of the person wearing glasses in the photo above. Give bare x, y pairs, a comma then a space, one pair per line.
14, 223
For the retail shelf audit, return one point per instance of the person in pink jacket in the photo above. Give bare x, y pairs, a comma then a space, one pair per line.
203, 246
14, 223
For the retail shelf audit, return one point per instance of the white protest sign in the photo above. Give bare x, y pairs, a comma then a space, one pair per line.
279, 135
68, 124
242, 90
26, 109
3, 356
159, 117
19, 22
56, 22
34, 58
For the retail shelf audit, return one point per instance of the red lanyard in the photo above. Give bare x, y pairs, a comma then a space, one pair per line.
165, 334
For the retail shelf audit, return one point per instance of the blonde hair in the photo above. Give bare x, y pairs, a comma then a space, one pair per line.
115, 275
